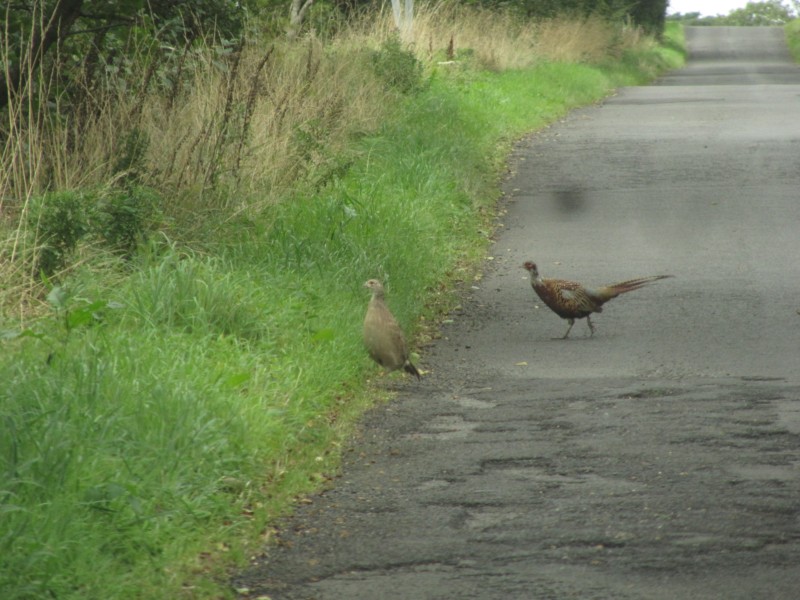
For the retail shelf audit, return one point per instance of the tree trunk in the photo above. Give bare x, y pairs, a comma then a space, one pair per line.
298, 13
403, 11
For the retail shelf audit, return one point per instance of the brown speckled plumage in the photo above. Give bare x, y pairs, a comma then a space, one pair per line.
383, 337
571, 300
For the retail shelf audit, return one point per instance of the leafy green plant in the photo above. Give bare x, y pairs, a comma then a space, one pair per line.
68, 314
122, 217
60, 222
73, 312
397, 67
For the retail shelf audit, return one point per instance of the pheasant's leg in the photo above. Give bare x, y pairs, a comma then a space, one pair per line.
571, 323
591, 327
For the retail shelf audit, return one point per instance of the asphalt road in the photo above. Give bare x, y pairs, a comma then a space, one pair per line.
658, 459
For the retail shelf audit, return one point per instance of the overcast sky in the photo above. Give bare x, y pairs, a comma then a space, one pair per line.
708, 8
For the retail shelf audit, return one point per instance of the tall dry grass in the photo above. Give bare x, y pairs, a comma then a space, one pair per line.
237, 134
491, 39
237, 131
242, 118
581, 40
501, 40
287, 110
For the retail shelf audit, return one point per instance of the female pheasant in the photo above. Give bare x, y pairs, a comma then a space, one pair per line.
383, 337
570, 300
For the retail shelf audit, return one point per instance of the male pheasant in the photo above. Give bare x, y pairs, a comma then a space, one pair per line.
570, 300
383, 337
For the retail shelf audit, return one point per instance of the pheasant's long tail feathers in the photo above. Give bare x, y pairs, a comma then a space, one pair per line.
615, 289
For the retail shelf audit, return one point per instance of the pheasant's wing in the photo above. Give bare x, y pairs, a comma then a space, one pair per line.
396, 352
580, 299
384, 338
568, 299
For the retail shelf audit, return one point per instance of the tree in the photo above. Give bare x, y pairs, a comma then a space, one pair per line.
649, 15
297, 13
81, 28
403, 12
47, 26
771, 12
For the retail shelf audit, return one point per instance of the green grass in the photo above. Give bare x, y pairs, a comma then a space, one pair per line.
792, 30
160, 418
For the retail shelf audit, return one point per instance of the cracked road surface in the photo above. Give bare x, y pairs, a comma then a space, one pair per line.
658, 459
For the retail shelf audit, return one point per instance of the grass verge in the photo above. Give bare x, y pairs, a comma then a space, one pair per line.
792, 31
